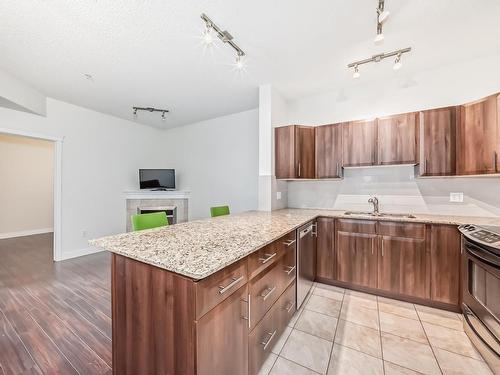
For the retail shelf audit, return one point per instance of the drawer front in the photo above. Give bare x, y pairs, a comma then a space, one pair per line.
268, 331
264, 291
269, 254
357, 226
217, 287
287, 268
395, 229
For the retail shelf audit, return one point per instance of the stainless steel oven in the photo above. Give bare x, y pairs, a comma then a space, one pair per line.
481, 290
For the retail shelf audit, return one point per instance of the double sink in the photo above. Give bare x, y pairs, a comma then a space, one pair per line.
379, 214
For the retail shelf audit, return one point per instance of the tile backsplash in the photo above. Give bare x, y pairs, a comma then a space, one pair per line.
398, 190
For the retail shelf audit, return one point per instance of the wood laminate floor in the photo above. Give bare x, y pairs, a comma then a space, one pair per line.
55, 318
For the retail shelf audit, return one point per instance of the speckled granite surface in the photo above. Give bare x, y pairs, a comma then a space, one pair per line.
200, 248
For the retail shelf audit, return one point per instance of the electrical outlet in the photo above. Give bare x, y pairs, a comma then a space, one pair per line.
456, 197
278, 195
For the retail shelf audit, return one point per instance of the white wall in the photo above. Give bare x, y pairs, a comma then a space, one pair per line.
217, 160
101, 156
397, 187
26, 186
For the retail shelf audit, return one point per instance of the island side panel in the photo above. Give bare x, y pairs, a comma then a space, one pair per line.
153, 320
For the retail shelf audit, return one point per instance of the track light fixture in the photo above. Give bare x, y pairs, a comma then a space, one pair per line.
151, 109
381, 18
223, 35
377, 58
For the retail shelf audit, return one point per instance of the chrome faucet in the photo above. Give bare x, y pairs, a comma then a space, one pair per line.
374, 200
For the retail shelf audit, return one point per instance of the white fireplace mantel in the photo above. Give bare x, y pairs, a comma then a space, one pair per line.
149, 194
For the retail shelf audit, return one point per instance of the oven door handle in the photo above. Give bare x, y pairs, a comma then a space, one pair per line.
467, 315
482, 255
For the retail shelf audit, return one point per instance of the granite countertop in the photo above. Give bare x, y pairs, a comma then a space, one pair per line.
199, 248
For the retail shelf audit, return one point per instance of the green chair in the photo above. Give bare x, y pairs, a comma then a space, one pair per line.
148, 221
219, 211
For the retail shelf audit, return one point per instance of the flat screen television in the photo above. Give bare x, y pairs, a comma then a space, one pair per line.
157, 179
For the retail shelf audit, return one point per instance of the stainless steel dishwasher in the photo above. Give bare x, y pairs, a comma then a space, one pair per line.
306, 261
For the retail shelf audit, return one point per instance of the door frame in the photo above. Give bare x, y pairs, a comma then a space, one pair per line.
57, 187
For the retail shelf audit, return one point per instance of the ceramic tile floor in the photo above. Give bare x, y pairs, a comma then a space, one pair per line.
341, 331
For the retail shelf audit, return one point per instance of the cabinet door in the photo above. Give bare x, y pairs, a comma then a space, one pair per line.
397, 139
359, 143
357, 258
478, 137
284, 139
402, 266
445, 264
222, 337
438, 142
325, 248
304, 151
328, 151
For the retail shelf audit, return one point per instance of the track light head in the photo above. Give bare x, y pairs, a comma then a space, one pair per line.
382, 15
397, 63
240, 63
207, 36
380, 36
135, 112
163, 116
356, 73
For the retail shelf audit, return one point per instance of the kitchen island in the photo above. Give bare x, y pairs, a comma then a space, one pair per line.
212, 296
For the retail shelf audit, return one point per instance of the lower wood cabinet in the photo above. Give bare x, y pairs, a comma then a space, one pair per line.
402, 266
225, 331
325, 248
357, 258
445, 244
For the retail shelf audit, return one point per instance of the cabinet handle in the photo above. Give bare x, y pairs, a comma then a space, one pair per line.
338, 174
269, 291
289, 243
382, 247
271, 337
224, 289
495, 161
299, 170
247, 318
289, 308
424, 166
289, 270
268, 258
315, 230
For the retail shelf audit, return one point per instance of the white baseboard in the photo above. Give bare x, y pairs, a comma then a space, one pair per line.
24, 233
80, 253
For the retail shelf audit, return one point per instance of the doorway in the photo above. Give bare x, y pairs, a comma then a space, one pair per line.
25, 179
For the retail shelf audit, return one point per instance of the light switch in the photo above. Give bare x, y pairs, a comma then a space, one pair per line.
456, 197
278, 195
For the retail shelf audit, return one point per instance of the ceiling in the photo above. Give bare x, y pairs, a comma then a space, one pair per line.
148, 53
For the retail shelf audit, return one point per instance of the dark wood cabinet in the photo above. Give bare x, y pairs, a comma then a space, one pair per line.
445, 263
294, 152
222, 338
437, 131
402, 266
325, 249
329, 151
357, 258
397, 139
478, 137
359, 140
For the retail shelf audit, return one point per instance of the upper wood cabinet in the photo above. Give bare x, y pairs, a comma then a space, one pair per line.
329, 151
359, 143
438, 142
294, 152
397, 139
478, 136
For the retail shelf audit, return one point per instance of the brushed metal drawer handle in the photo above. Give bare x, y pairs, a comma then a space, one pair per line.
271, 337
224, 289
270, 291
289, 308
268, 258
290, 269
289, 242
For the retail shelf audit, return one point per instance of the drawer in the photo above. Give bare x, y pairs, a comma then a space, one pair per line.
264, 290
269, 254
265, 335
216, 288
287, 266
398, 229
357, 226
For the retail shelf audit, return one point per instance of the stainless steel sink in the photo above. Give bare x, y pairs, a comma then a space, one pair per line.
367, 213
